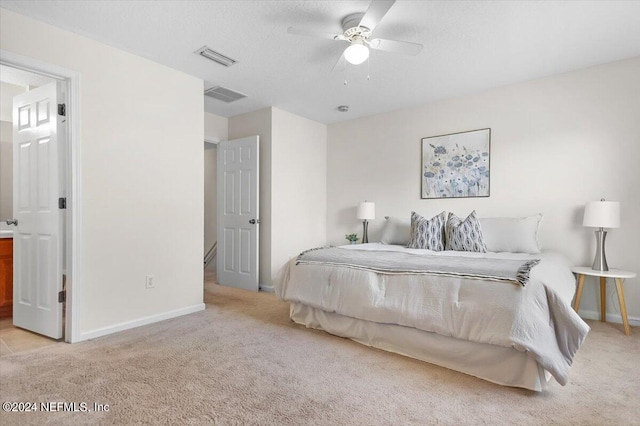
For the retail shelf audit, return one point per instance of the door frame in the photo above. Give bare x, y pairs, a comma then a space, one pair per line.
71, 152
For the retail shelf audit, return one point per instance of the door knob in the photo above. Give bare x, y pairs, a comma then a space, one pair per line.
12, 222
253, 221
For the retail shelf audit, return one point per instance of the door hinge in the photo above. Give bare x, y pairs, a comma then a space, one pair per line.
62, 203
62, 110
62, 296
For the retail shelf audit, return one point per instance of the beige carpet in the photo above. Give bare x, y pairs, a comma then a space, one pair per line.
243, 362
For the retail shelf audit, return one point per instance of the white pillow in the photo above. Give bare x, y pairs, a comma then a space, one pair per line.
511, 234
396, 231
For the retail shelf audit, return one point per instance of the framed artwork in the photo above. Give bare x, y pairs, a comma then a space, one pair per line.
456, 165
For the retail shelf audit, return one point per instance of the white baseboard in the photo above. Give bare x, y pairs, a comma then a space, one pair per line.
615, 318
139, 322
267, 288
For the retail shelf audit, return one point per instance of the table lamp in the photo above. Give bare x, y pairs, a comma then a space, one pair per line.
601, 214
366, 212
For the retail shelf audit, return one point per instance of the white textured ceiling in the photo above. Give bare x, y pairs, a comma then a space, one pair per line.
468, 46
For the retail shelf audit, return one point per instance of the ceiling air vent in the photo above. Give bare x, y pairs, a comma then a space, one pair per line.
218, 57
223, 94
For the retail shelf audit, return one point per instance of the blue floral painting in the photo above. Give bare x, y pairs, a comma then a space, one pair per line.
456, 165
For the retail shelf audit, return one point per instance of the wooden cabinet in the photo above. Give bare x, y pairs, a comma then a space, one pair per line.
6, 277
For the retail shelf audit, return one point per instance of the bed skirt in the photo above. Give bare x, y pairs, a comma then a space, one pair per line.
497, 364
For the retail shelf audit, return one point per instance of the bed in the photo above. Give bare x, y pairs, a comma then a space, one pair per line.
511, 330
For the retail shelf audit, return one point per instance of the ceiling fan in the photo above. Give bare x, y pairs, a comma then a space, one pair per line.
358, 29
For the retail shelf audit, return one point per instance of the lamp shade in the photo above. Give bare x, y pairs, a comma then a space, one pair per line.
366, 210
602, 214
356, 53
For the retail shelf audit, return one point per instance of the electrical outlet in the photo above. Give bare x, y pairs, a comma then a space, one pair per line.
149, 282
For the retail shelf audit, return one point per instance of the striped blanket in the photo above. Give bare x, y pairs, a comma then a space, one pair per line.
512, 270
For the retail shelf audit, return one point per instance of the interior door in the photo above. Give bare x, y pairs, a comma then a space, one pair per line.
37, 243
237, 204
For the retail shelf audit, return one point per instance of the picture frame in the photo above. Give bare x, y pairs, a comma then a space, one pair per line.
456, 165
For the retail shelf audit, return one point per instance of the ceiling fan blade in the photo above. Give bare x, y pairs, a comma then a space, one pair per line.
341, 63
405, 47
317, 34
376, 11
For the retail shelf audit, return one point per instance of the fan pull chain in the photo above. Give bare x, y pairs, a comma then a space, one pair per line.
346, 72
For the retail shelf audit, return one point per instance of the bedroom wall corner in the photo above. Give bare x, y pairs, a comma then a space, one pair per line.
556, 143
299, 187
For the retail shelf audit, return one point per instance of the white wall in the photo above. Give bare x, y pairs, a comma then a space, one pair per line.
7, 92
299, 186
215, 128
6, 169
556, 143
250, 124
293, 154
141, 158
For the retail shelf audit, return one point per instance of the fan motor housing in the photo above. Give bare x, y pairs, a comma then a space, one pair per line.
351, 28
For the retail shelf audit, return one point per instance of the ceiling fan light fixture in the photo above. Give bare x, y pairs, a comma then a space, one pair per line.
356, 53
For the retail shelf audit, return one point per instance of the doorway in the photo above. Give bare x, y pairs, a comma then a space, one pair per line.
210, 210
21, 75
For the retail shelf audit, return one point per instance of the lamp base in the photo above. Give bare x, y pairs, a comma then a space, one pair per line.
365, 229
600, 261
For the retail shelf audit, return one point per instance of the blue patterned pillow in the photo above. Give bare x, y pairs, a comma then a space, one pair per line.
427, 233
465, 235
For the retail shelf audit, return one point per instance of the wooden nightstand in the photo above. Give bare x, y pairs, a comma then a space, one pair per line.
6, 277
619, 276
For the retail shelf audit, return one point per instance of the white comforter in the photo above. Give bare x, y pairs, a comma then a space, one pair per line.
537, 318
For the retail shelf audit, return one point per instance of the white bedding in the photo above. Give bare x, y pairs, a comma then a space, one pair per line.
497, 364
537, 318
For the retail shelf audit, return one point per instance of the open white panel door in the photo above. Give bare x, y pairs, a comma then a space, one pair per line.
237, 199
37, 246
